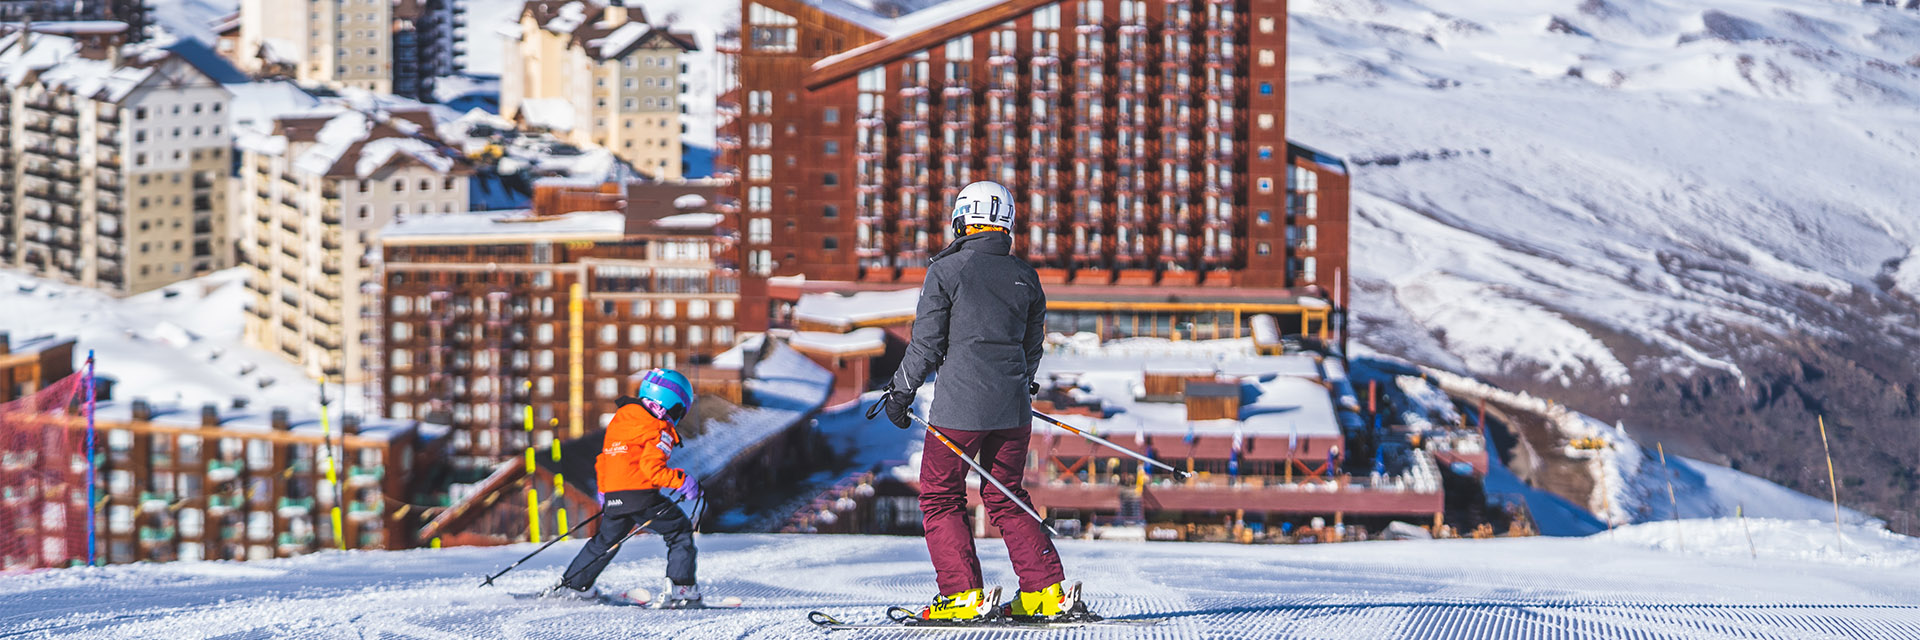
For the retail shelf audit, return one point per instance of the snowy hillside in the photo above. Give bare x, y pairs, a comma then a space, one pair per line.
1512, 588
181, 344
1697, 214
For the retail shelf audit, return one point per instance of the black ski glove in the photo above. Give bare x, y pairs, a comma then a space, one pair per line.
899, 404
1033, 388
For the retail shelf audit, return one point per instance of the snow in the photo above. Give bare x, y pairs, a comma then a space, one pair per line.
846, 310
1505, 588
1633, 484
377, 153
257, 104
621, 38
332, 142
585, 224
1281, 395
856, 341
553, 114
451, 88
690, 201
186, 349
1562, 181
690, 221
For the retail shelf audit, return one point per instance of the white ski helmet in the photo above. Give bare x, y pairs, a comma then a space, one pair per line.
986, 203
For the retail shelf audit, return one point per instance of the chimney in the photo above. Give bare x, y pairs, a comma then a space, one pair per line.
750, 358
279, 419
6, 343
350, 423
209, 415
142, 412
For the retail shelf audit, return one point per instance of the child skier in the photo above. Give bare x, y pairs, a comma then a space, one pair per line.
631, 470
980, 322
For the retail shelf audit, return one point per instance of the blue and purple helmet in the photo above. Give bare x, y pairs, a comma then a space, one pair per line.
669, 390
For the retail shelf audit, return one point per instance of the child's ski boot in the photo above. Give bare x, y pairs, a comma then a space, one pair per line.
682, 596
1056, 603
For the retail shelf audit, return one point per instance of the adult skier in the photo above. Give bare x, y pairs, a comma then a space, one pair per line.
632, 470
980, 323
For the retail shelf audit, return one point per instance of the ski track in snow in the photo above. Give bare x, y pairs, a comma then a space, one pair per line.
1605, 586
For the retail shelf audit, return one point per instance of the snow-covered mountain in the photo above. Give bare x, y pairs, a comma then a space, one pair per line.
1696, 216
1629, 583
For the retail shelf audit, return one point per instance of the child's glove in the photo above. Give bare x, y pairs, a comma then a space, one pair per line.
689, 491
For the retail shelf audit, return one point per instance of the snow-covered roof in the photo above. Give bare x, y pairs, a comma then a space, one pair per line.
377, 153
861, 340
282, 51
515, 226
81, 27
908, 16
623, 37
848, 310
1281, 395
251, 419
553, 114
450, 88
690, 221
786, 387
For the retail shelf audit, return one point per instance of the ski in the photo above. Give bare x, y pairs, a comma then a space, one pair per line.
624, 600
830, 623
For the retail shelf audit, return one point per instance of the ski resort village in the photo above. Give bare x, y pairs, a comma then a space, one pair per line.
1073, 318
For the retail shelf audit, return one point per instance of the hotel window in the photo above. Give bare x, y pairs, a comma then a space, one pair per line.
759, 231
1266, 57
725, 310
667, 309
760, 166
1265, 120
607, 387
696, 309
636, 334
609, 360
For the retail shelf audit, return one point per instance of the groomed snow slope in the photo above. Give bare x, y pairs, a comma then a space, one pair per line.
1520, 588
1540, 185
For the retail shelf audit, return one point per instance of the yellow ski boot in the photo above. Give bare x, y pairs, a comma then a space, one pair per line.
1056, 602
966, 605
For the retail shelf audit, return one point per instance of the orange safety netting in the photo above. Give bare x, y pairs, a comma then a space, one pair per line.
43, 478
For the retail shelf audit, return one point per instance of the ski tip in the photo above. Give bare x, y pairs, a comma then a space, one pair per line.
822, 619
731, 601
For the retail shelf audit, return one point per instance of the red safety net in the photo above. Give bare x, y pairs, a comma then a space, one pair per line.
43, 478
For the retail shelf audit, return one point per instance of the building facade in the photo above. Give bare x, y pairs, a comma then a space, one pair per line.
479, 311
184, 485
1144, 142
117, 167
316, 190
383, 46
599, 75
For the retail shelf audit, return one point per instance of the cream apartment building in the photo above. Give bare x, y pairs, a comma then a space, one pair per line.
598, 75
317, 190
116, 167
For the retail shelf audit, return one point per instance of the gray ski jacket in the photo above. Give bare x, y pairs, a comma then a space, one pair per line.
981, 323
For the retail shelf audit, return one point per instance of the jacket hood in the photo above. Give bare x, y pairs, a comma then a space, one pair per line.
987, 242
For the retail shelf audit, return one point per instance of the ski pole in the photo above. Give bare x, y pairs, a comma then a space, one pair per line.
543, 547
983, 472
1108, 443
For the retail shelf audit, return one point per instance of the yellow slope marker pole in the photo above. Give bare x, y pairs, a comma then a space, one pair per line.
1679, 540
333, 478
559, 489
1837, 538
576, 359
533, 490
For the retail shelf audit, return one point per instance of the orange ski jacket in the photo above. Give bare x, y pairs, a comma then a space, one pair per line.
634, 456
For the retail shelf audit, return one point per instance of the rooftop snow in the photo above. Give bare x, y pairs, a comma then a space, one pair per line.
1281, 395
261, 419
687, 221
376, 154
620, 39
571, 15
595, 224
555, 114
847, 310
856, 341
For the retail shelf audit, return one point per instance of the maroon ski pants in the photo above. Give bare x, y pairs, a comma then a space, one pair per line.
943, 502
